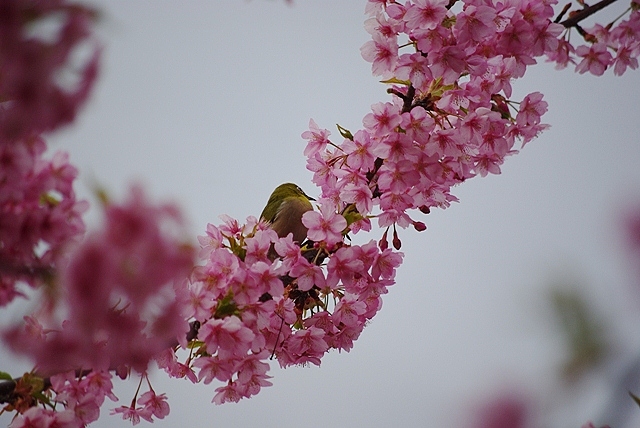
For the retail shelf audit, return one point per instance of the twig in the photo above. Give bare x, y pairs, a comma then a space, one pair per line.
576, 17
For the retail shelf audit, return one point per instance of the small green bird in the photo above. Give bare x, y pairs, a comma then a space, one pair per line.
284, 211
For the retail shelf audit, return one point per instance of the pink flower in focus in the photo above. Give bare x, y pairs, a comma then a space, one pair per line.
596, 59
258, 246
359, 152
308, 275
417, 124
425, 14
213, 368
132, 413
414, 68
325, 225
307, 345
448, 63
562, 56
383, 119
475, 23
198, 301
209, 242
288, 250
227, 393
382, 52
349, 311
317, 139
361, 196
228, 336
342, 266
531, 109
626, 57
385, 264
267, 279
155, 404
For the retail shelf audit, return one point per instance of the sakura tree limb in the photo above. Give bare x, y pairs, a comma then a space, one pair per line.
576, 17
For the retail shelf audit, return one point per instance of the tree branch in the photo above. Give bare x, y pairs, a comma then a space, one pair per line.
576, 17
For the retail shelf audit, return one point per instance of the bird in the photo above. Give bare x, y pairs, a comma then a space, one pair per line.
284, 210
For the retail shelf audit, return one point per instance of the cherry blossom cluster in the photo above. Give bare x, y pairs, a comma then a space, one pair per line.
43, 82
39, 214
449, 121
80, 398
451, 117
117, 296
616, 44
49, 64
295, 308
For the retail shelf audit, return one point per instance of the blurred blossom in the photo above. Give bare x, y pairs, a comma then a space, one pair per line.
118, 294
49, 65
507, 411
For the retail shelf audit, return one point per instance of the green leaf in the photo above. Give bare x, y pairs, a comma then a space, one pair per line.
5, 376
635, 398
345, 132
395, 80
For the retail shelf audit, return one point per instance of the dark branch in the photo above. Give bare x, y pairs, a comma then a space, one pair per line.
576, 17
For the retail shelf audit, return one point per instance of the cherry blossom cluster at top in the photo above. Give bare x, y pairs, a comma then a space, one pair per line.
41, 88
450, 118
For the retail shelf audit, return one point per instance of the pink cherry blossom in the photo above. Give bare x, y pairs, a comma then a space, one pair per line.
626, 56
383, 119
155, 404
131, 413
349, 311
227, 393
596, 59
228, 336
317, 139
382, 52
359, 154
531, 109
306, 346
327, 225
214, 368
475, 23
307, 274
425, 14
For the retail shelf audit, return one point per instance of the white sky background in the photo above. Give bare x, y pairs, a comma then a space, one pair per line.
204, 103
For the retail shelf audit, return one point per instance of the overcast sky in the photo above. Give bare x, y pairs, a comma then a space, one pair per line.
204, 102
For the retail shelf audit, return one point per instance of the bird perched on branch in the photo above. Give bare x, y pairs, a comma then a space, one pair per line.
284, 211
